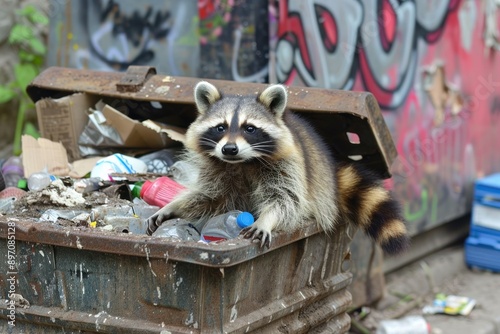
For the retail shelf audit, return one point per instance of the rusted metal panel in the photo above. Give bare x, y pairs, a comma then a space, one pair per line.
135, 284
134, 79
333, 112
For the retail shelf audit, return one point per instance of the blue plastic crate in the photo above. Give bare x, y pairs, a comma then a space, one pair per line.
483, 252
486, 206
482, 247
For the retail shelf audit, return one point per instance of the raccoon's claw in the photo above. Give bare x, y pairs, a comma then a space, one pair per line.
156, 220
255, 233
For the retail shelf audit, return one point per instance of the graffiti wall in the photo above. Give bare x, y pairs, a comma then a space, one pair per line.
223, 39
433, 66
110, 35
234, 40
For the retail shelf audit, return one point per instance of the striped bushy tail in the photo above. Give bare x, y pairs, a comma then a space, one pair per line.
365, 202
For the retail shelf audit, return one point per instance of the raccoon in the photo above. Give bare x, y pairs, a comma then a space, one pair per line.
255, 155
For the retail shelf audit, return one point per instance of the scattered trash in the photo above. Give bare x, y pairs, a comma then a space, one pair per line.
57, 194
117, 163
7, 204
85, 186
108, 128
407, 325
160, 161
226, 226
99, 133
124, 219
118, 191
178, 229
80, 218
12, 192
40, 180
12, 170
451, 304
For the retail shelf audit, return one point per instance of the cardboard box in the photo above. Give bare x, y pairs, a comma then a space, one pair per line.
135, 134
63, 120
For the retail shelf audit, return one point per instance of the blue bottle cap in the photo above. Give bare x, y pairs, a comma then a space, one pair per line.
244, 219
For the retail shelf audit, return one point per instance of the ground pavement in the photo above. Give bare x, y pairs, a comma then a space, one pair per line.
414, 286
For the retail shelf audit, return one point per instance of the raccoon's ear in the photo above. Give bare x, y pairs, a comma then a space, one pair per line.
274, 97
205, 94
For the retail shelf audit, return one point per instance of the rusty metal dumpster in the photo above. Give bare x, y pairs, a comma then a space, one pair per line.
82, 280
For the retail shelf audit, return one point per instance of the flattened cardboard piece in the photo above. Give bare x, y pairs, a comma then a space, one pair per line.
135, 134
63, 120
82, 167
174, 133
43, 154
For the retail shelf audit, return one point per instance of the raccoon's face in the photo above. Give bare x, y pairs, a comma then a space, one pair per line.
236, 129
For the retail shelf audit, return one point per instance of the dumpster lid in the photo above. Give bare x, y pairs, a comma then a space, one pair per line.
336, 114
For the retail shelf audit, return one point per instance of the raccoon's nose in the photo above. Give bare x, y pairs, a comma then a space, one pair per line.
230, 149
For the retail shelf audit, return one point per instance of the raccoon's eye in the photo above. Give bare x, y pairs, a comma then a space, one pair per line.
220, 128
250, 129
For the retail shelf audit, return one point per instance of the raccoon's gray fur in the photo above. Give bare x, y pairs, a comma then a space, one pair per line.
254, 155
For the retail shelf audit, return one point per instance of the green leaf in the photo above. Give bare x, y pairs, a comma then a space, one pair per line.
37, 46
27, 10
25, 56
20, 33
6, 94
25, 73
38, 61
33, 14
40, 18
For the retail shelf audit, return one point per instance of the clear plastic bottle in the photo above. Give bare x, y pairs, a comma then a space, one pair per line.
12, 171
226, 226
178, 229
40, 180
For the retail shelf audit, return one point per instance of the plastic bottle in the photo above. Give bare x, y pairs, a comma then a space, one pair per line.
40, 180
136, 189
178, 229
12, 171
161, 191
226, 226
407, 325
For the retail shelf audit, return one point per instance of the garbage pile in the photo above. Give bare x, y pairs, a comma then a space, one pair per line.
119, 194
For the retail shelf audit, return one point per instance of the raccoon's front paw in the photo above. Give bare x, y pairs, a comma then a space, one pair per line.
256, 233
157, 219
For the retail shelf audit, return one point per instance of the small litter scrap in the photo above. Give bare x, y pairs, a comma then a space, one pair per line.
451, 304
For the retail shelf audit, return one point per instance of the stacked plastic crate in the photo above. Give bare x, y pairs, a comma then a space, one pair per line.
482, 247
